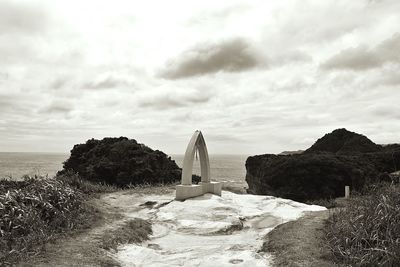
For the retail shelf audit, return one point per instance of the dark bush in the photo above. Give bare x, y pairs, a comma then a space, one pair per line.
307, 176
196, 179
122, 162
323, 170
341, 141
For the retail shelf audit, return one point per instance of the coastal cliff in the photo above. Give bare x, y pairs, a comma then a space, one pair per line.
339, 158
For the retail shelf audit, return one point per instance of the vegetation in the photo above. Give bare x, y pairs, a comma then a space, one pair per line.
121, 162
341, 141
133, 231
321, 172
300, 242
36, 210
327, 203
367, 231
82, 185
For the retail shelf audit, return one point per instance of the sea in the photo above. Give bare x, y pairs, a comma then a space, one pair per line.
13, 165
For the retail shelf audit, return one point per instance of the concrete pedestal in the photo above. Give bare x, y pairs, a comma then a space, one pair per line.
195, 190
212, 187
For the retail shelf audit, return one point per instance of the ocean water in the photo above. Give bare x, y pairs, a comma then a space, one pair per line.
16, 164
229, 168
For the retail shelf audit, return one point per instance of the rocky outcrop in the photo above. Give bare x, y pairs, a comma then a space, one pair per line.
338, 159
121, 161
341, 141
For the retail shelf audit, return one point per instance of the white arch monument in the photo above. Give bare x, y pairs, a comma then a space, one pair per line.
186, 189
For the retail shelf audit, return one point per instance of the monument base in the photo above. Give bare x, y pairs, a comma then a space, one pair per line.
188, 191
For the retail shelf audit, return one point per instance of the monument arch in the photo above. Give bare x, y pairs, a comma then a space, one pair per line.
186, 189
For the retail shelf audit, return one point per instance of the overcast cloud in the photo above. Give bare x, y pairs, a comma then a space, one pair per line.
255, 76
228, 56
363, 58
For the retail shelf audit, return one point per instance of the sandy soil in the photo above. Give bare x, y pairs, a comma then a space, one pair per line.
300, 243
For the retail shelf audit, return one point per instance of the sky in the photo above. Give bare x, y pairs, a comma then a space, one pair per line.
255, 76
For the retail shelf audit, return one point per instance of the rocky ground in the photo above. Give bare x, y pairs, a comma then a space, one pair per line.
225, 231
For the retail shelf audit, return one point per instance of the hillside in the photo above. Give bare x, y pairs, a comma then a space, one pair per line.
337, 159
342, 141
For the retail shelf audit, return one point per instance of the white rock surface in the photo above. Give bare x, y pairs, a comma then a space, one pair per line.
209, 230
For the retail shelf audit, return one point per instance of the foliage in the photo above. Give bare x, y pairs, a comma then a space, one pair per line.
307, 176
82, 185
328, 203
133, 231
322, 175
121, 162
33, 211
367, 232
341, 141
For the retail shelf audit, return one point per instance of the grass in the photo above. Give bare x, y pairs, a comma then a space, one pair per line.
299, 243
132, 231
36, 210
327, 203
367, 231
85, 186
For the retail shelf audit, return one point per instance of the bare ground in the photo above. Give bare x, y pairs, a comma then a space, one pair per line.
300, 243
297, 243
84, 248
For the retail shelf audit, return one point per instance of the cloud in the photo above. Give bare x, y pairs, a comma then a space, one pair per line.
390, 80
175, 100
17, 17
382, 111
107, 83
363, 58
263, 87
234, 55
224, 138
3, 76
289, 57
59, 83
6, 102
211, 16
57, 107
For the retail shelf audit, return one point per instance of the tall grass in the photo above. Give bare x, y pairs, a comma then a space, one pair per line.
34, 211
367, 231
87, 187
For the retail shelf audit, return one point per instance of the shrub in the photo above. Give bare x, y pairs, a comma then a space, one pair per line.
32, 211
338, 159
307, 176
367, 231
82, 185
121, 162
341, 141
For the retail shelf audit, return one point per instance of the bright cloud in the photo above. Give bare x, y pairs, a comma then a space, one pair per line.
256, 76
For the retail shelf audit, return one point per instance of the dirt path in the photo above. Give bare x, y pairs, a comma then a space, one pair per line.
83, 248
300, 243
295, 243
